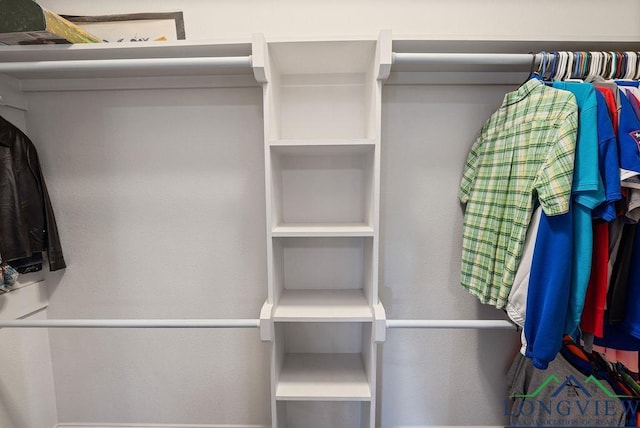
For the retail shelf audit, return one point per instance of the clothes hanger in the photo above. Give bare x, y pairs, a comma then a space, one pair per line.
586, 64
586, 60
562, 66
625, 66
606, 65
574, 67
577, 69
624, 75
614, 63
569, 65
632, 65
621, 65
554, 65
578, 63
594, 66
542, 65
533, 73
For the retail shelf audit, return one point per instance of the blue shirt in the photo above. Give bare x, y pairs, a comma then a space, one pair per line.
548, 292
587, 193
562, 253
633, 83
608, 162
627, 141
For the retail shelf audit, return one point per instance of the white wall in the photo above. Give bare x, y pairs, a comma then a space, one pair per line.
159, 198
438, 19
434, 377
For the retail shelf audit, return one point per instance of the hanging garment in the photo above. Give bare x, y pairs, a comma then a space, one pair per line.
587, 194
516, 307
593, 313
549, 288
608, 159
628, 136
559, 271
526, 147
622, 318
592, 321
27, 222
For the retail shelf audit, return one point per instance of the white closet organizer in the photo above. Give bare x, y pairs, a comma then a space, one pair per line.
322, 112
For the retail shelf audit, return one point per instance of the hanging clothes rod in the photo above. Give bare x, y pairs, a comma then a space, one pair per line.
132, 323
219, 63
461, 59
451, 324
233, 323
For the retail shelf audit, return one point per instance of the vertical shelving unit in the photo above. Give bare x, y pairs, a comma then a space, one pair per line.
322, 112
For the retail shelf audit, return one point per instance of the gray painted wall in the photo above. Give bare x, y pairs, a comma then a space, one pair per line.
159, 198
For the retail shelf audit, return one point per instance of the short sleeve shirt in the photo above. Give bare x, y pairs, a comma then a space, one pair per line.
525, 150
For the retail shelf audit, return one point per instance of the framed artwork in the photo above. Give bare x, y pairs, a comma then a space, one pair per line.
133, 27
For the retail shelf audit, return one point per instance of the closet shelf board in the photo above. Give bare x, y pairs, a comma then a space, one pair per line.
322, 306
293, 143
285, 230
323, 377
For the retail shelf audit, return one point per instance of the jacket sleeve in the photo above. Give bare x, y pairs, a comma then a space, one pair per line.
51, 238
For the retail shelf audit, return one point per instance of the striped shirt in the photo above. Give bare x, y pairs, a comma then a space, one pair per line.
524, 151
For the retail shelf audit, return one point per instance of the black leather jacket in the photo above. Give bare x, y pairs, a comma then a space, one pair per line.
27, 223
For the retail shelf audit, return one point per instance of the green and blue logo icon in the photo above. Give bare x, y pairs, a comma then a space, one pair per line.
570, 402
574, 387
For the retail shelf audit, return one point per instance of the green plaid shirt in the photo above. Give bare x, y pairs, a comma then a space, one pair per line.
525, 151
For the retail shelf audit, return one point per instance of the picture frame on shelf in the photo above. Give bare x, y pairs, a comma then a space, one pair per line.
133, 27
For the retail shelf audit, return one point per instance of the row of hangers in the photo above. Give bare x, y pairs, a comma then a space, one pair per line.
586, 66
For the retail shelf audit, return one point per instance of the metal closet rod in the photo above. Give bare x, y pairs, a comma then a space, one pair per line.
464, 59
220, 63
233, 323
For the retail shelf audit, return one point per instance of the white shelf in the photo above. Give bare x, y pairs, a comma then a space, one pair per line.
324, 142
322, 306
322, 230
323, 377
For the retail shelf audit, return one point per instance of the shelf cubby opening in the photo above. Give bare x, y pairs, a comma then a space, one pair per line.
323, 89
325, 188
323, 278
323, 361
